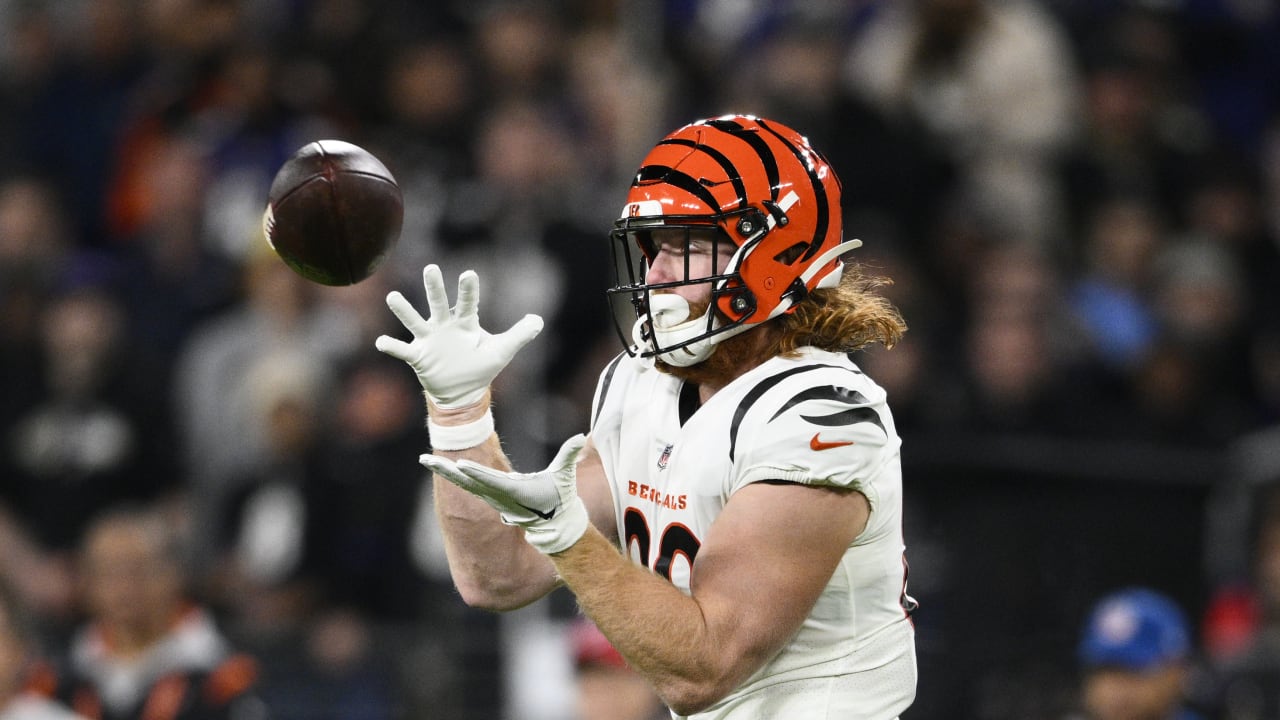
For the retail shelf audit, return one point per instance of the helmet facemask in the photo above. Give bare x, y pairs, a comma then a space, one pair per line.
665, 325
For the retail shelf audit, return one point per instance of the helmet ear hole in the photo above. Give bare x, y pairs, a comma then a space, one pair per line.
791, 254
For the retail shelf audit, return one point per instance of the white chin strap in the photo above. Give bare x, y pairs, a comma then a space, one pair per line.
672, 324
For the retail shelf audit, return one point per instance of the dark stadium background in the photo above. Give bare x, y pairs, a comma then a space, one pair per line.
1086, 253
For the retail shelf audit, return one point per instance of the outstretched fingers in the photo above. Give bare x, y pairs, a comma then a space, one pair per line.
495, 480
397, 349
450, 471
468, 294
437, 298
568, 455
408, 315
439, 466
518, 335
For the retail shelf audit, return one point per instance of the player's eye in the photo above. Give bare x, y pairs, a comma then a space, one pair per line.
672, 242
699, 246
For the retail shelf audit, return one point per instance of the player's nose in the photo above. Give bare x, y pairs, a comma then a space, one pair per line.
664, 267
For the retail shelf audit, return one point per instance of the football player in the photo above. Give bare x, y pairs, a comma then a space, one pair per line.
732, 523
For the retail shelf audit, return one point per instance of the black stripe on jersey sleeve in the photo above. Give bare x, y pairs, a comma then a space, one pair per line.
852, 416
604, 387
848, 396
755, 394
822, 210
845, 395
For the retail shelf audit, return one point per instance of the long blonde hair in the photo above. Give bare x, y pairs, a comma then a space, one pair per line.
839, 319
845, 318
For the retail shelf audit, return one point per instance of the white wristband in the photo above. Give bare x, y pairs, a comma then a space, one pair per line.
461, 437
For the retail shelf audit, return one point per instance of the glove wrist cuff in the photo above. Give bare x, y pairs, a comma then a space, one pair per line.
472, 398
464, 405
461, 437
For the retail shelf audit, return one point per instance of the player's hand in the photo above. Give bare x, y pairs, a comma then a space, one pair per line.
454, 357
545, 504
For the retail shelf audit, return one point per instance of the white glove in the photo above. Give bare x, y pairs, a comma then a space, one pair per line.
454, 357
545, 504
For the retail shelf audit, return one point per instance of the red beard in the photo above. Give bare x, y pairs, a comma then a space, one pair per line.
728, 360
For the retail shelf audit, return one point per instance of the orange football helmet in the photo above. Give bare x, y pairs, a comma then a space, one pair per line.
767, 192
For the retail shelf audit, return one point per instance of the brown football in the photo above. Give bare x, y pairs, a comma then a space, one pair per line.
334, 212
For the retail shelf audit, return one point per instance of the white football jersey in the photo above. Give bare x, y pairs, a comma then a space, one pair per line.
814, 419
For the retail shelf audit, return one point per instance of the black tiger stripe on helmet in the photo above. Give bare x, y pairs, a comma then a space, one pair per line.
730, 170
824, 211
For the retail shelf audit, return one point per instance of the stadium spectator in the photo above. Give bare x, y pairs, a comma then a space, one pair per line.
995, 83
35, 247
318, 575
1191, 387
1140, 138
1136, 655
1242, 624
220, 437
1019, 369
147, 651
97, 434
1110, 295
787, 66
269, 530
302, 531
177, 281
21, 672
524, 206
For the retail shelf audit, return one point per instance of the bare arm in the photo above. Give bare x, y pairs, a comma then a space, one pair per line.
492, 565
775, 544
762, 565
456, 360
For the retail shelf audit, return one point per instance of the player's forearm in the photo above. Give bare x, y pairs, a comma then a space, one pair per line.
491, 564
663, 633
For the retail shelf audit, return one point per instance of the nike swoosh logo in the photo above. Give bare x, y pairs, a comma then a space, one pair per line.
545, 515
816, 444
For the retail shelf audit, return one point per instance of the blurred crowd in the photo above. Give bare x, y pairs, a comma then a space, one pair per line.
1078, 202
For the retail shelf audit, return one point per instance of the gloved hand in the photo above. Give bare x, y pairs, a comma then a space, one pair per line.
545, 504
454, 357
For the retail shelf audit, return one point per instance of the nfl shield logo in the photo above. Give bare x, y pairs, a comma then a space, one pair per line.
666, 455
